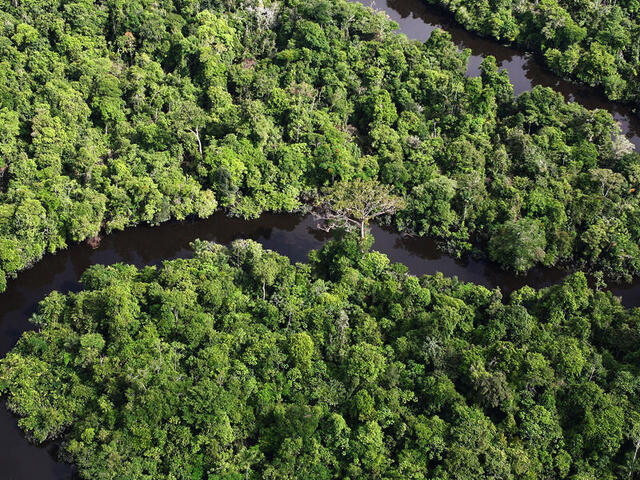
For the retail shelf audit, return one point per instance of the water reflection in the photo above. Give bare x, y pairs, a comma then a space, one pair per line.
417, 20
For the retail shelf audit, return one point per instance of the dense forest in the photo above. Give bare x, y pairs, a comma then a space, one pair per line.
596, 42
237, 365
118, 113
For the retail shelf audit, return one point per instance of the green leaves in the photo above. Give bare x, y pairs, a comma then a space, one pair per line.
579, 39
188, 371
518, 244
351, 205
140, 112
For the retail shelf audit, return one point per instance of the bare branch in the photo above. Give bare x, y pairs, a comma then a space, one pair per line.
351, 205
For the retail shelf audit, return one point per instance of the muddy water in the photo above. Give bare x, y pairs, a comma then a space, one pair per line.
417, 20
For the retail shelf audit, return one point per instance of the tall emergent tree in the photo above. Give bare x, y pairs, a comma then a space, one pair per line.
353, 204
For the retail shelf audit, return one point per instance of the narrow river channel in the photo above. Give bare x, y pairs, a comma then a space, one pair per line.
417, 20
290, 235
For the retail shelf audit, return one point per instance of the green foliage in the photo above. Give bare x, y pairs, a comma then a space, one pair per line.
116, 114
587, 40
519, 244
347, 368
352, 205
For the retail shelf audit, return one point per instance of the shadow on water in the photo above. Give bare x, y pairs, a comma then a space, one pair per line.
417, 19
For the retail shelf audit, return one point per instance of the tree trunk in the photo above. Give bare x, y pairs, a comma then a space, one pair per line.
635, 455
362, 229
196, 133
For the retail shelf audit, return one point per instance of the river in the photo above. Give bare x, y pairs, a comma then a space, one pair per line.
417, 20
290, 235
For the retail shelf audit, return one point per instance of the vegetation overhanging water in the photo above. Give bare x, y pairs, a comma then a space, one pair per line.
288, 234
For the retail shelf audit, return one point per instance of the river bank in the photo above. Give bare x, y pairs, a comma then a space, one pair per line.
417, 21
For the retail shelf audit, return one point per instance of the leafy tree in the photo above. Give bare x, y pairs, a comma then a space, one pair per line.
187, 371
353, 204
586, 40
519, 244
120, 114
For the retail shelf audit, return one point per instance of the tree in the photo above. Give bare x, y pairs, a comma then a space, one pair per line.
518, 244
195, 377
633, 434
353, 204
609, 181
622, 146
189, 117
301, 350
115, 115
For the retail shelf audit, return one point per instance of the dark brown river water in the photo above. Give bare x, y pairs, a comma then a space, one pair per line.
289, 235
417, 20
